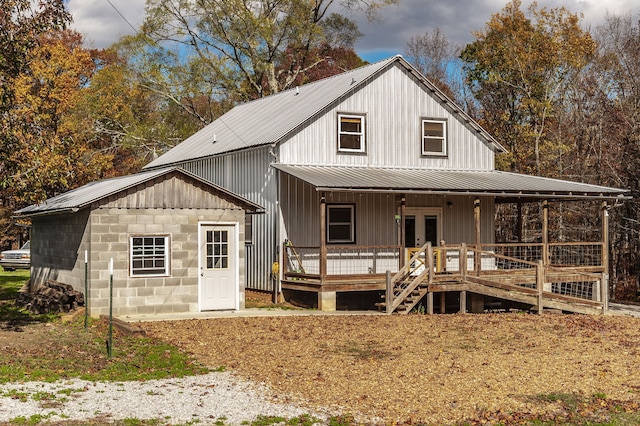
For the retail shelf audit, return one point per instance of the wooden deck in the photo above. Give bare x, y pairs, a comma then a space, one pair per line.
568, 277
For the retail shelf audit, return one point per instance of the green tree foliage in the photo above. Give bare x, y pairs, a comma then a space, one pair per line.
221, 52
116, 115
518, 69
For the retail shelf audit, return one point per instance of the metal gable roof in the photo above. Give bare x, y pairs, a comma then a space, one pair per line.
268, 120
83, 196
493, 182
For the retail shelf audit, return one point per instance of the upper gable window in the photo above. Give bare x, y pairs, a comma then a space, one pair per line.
434, 137
351, 133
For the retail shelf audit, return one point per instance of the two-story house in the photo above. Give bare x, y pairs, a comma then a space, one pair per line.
359, 171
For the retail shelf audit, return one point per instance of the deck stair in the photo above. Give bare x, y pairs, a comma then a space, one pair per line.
494, 275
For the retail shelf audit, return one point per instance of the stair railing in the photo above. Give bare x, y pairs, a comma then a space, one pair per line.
396, 292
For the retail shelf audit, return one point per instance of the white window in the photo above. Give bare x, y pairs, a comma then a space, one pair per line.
434, 137
149, 255
340, 224
218, 249
351, 133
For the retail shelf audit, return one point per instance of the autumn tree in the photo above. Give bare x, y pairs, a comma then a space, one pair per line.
437, 58
21, 24
207, 55
518, 68
46, 153
615, 137
117, 115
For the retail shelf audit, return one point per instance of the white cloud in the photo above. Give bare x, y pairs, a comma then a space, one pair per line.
458, 19
100, 22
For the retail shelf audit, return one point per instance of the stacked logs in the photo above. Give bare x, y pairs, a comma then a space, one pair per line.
52, 297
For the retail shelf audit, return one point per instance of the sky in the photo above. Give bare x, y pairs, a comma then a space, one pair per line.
102, 22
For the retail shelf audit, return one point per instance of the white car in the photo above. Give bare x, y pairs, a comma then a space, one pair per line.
16, 259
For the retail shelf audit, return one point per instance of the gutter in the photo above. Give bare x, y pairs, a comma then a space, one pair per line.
568, 196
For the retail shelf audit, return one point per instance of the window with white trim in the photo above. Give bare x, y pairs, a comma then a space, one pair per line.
341, 224
149, 255
434, 137
351, 135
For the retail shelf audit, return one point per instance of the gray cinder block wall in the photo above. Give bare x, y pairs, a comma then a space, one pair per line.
104, 232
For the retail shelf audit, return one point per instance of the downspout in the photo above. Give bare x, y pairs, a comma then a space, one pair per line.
278, 259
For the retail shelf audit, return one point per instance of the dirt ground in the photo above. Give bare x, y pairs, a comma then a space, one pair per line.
411, 369
438, 369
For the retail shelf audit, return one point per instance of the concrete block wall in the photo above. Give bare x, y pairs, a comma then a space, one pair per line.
58, 243
176, 293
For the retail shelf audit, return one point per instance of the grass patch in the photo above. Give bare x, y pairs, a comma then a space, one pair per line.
69, 351
54, 350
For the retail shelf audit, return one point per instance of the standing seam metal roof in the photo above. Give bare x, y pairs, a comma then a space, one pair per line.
85, 195
491, 182
268, 120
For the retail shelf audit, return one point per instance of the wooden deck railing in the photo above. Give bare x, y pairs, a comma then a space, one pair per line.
571, 270
358, 260
578, 279
342, 260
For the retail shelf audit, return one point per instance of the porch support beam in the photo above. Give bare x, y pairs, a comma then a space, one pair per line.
604, 282
476, 227
323, 237
519, 219
545, 232
401, 243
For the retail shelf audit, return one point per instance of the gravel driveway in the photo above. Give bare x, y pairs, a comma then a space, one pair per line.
206, 399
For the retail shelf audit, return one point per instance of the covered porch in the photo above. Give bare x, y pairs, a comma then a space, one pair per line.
415, 267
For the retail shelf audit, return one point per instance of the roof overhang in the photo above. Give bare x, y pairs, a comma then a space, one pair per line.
504, 186
77, 199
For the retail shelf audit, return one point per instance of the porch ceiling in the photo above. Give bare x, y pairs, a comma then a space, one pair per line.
459, 182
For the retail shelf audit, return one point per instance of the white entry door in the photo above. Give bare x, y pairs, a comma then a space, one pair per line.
218, 269
422, 225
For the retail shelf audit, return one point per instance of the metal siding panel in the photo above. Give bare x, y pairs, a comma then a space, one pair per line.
393, 104
248, 174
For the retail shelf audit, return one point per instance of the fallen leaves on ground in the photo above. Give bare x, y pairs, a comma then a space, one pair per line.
436, 369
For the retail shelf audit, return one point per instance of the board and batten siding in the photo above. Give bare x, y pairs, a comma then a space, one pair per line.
394, 104
174, 193
375, 215
249, 174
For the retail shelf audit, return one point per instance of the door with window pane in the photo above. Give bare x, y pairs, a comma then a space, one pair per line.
421, 225
218, 269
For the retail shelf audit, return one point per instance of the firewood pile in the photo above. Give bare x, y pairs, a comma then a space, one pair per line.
52, 297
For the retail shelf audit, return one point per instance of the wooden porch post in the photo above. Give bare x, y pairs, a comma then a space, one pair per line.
326, 299
545, 232
476, 226
519, 220
540, 284
403, 211
323, 237
604, 283
432, 271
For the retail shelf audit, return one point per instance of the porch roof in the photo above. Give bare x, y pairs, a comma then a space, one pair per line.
503, 185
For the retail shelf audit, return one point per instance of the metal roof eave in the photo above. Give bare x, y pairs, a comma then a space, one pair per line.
497, 194
46, 213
